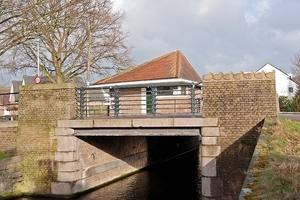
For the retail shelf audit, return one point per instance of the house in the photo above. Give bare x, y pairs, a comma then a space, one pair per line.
14, 93
14, 90
4, 101
285, 85
171, 73
28, 80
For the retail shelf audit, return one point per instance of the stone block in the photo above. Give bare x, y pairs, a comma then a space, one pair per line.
209, 140
69, 166
210, 131
64, 131
206, 188
61, 188
211, 187
209, 166
75, 123
195, 122
69, 176
112, 123
210, 151
66, 143
66, 156
9, 124
153, 122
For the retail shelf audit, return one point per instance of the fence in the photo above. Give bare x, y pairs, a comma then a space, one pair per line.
9, 106
154, 100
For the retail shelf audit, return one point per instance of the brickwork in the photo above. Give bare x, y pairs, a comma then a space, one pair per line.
240, 102
110, 157
8, 133
131, 101
40, 106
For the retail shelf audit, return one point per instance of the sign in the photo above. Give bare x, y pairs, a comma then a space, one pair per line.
37, 80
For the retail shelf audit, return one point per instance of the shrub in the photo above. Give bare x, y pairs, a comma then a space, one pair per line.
295, 104
285, 104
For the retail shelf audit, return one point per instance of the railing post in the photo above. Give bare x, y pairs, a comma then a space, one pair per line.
153, 100
81, 102
116, 96
193, 98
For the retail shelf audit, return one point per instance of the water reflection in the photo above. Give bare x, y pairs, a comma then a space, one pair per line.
178, 178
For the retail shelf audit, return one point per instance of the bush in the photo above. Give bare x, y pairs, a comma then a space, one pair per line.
285, 104
295, 105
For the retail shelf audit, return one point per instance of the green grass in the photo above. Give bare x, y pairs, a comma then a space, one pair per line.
276, 173
4, 155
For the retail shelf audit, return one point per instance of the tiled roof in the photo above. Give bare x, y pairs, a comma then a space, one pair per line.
16, 85
171, 65
28, 80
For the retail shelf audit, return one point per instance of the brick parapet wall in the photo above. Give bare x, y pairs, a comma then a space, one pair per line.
8, 133
241, 102
40, 106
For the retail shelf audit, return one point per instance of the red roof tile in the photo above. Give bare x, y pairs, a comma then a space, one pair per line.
171, 65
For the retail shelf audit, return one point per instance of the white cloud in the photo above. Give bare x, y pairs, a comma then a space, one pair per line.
215, 35
256, 10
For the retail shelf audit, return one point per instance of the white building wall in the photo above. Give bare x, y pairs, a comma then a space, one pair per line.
282, 81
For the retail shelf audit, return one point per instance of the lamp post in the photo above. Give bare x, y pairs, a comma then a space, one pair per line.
38, 58
37, 78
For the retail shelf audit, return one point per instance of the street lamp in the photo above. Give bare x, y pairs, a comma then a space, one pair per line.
37, 78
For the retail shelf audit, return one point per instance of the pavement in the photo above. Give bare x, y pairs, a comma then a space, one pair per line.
294, 116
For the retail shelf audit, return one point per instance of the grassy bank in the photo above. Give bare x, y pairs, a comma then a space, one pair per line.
4, 155
275, 172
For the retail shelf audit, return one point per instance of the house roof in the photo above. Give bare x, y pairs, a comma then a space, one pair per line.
268, 63
28, 80
169, 66
15, 85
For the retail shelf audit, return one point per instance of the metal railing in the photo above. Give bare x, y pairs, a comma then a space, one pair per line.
151, 101
9, 106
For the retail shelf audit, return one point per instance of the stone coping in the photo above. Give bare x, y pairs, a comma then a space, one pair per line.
8, 124
136, 123
48, 86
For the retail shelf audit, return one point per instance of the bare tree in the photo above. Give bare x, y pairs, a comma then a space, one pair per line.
74, 37
4, 79
296, 66
10, 20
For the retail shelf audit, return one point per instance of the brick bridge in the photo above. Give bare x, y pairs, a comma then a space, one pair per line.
61, 155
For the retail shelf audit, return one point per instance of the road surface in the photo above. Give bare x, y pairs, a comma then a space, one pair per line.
292, 116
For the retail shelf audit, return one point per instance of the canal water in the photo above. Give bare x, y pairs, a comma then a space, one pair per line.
178, 178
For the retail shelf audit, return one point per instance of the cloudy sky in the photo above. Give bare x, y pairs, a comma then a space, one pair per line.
215, 35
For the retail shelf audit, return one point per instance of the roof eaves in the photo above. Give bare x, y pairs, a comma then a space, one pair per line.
272, 66
178, 66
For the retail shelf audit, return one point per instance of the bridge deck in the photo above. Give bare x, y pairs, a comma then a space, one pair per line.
137, 132
138, 126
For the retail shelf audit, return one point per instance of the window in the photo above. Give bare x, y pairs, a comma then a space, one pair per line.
183, 90
291, 89
165, 90
171, 90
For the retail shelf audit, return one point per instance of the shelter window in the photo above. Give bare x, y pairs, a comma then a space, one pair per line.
171, 90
